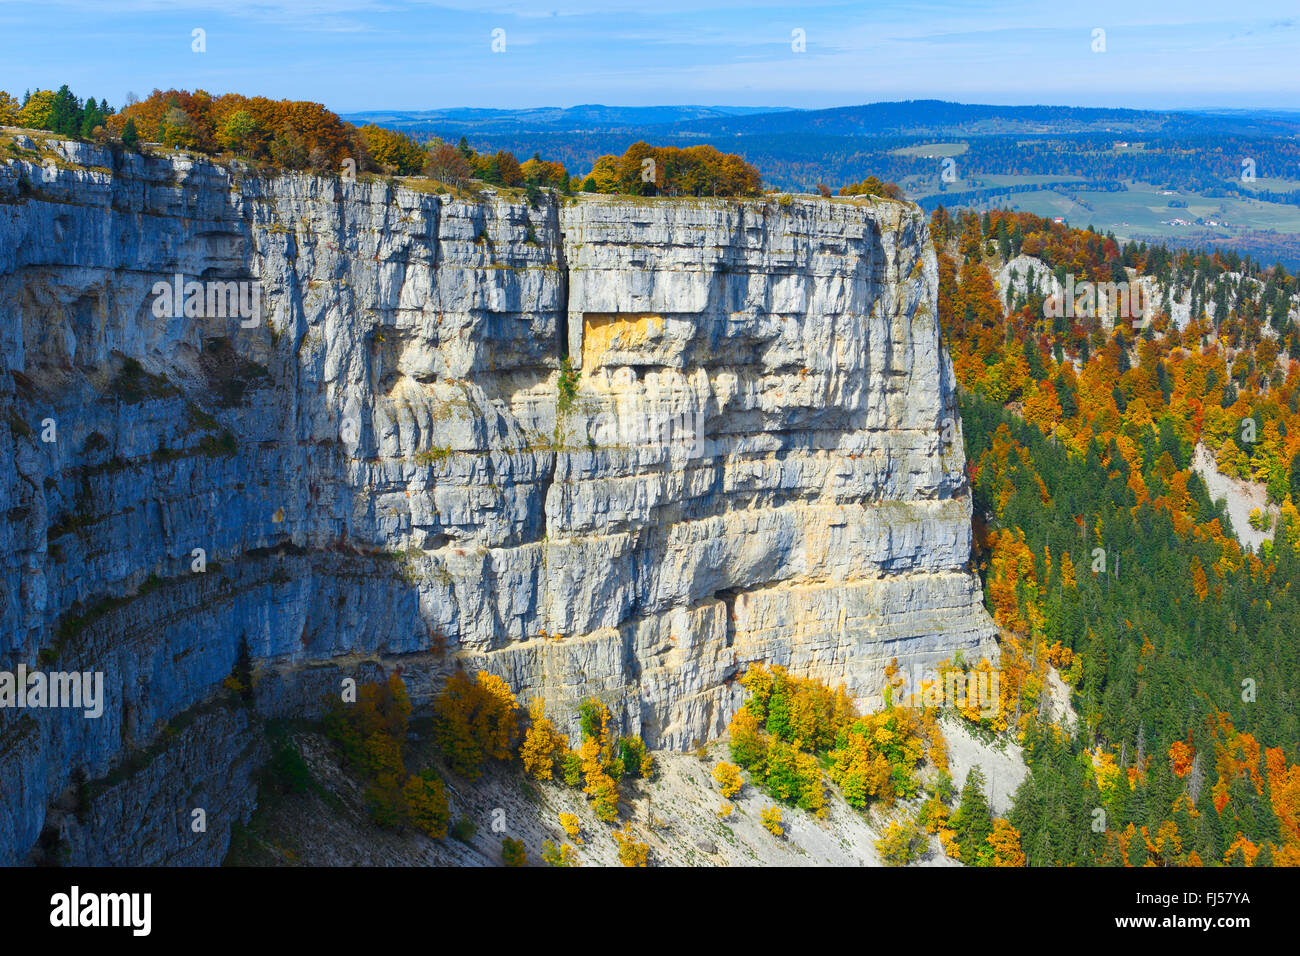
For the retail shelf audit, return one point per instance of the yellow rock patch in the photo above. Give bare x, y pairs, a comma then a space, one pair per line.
605, 332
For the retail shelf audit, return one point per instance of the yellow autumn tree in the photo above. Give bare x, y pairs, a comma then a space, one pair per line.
476, 721
772, 821
572, 827
596, 755
543, 745
512, 852
393, 151
630, 851
426, 802
1067, 572
9, 109
38, 112
728, 778
900, 843
562, 855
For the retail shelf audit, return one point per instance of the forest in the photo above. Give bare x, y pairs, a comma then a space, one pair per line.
1102, 554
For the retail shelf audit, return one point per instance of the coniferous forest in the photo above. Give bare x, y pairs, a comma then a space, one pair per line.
1102, 553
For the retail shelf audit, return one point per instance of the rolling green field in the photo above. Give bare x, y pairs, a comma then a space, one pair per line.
1273, 185
931, 149
918, 187
1144, 210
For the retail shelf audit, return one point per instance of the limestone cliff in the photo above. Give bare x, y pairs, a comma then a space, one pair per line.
752, 453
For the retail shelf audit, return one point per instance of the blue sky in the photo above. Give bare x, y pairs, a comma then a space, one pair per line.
411, 54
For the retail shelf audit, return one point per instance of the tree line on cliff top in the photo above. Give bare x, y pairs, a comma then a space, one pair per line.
297, 134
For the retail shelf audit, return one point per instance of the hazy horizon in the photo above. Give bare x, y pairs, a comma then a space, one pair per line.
361, 55
755, 110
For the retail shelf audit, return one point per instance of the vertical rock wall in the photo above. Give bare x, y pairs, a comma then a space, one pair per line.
599, 446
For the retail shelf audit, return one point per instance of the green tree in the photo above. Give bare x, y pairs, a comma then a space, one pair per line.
512, 852
65, 113
973, 821
92, 117
239, 133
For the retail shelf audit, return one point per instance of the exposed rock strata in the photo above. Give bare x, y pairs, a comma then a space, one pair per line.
761, 461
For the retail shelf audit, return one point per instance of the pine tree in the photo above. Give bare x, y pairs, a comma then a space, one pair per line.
1208, 839
92, 117
65, 116
973, 821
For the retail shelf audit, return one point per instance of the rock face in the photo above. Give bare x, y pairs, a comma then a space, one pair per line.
751, 452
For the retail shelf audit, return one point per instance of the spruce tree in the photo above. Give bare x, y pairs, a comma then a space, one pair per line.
66, 113
973, 821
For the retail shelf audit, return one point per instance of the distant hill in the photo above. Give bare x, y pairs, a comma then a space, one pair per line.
931, 117
939, 117
902, 118
554, 119
796, 149
1114, 168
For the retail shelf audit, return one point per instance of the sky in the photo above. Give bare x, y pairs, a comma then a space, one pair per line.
357, 55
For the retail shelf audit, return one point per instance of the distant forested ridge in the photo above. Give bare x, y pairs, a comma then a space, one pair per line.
795, 149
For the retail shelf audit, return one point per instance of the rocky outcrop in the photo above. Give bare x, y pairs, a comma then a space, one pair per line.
597, 445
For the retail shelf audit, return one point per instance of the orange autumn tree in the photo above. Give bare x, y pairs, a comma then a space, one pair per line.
674, 171
292, 133
1005, 841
